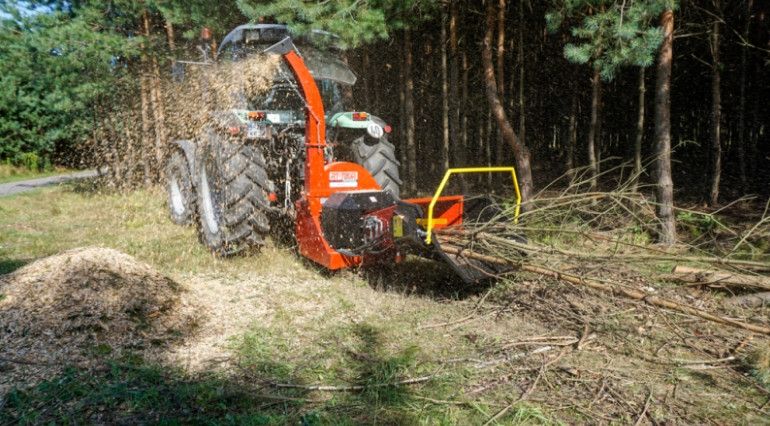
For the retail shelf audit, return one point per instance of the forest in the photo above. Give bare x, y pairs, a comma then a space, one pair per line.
668, 94
204, 222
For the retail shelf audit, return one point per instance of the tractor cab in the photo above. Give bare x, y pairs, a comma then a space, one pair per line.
284, 105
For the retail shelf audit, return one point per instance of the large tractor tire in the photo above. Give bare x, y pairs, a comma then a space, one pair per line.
232, 192
378, 157
179, 187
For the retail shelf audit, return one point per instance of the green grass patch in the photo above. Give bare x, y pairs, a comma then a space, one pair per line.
51, 220
10, 173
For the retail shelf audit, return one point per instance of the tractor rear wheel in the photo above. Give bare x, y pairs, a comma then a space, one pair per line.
378, 157
179, 186
232, 191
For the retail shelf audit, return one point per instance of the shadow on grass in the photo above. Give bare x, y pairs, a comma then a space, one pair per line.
365, 377
130, 391
127, 391
9, 265
424, 277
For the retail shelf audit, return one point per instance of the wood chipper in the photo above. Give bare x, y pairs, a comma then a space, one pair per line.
345, 219
341, 216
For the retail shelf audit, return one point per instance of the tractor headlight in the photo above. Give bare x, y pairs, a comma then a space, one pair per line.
375, 130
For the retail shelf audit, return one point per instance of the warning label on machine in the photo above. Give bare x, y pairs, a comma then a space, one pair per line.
343, 179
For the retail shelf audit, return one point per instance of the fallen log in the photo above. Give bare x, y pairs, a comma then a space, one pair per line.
687, 274
607, 288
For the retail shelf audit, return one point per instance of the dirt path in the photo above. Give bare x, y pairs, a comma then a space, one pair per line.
28, 185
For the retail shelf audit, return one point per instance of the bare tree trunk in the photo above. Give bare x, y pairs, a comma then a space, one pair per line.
170, 37
572, 135
444, 94
411, 148
665, 190
501, 4
367, 87
347, 90
402, 115
742, 102
156, 98
488, 146
522, 70
480, 146
454, 91
464, 127
113, 140
716, 113
593, 130
130, 156
146, 127
639, 137
520, 151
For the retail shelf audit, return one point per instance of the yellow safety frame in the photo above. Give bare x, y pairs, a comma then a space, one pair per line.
464, 170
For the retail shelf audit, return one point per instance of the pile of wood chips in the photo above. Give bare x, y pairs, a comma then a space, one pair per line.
64, 309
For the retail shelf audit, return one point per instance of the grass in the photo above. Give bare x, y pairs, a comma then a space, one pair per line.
129, 391
50, 220
306, 327
331, 330
10, 173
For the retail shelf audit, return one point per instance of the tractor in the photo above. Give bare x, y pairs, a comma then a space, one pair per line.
233, 184
295, 162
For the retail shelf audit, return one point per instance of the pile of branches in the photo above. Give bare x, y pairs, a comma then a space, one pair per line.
605, 241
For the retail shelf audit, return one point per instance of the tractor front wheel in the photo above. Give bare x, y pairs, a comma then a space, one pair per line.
232, 191
181, 202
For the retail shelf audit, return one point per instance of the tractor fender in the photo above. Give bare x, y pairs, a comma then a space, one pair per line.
188, 148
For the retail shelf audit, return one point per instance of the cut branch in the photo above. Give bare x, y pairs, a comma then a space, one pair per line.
691, 275
608, 288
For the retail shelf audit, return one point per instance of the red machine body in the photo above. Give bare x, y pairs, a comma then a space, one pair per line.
343, 217
323, 180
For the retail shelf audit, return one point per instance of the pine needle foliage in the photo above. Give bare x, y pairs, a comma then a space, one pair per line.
356, 22
610, 34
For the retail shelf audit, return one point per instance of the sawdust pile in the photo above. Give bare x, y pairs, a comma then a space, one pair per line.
86, 301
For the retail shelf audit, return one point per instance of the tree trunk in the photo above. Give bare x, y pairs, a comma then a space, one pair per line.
458, 153
444, 94
480, 145
170, 37
156, 99
411, 148
639, 137
742, 101
716, 114
572, 136
130, 156
145, 147
488, 146
593, 130
520, 151
522, 70
665, 190
464, 129
500, 72
402, 117
366, 86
